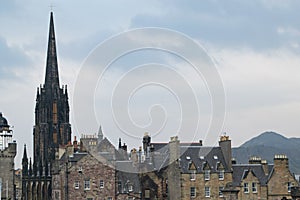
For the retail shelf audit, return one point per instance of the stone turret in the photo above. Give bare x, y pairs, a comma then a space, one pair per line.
8, 151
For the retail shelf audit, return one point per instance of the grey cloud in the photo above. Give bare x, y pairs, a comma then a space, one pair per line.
11, 58
230, 23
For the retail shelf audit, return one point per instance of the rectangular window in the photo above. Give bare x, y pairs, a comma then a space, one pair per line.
207, 175
119, 186
220, 191
193, 192
207, 191
130, 187
254, 187
193, 176
147, 193
109, 198
221, 175
290, 185
246, 188
87, 185
101, 184
89, 198
76, 185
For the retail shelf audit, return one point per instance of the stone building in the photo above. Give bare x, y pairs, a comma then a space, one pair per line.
8, 151
186, 170
82, 176
94, 169
52, 129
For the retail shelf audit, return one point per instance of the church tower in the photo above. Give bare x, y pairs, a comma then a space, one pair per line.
52, 128
51, 131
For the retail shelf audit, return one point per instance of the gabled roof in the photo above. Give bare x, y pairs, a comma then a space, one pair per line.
191, 153
241, 171
203, 158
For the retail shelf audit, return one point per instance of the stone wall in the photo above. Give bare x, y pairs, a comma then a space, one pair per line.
7, 171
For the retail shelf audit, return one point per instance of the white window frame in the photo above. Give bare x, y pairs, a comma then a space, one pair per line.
246, 187
289, 185
207, 175
221, 174
193, 192
254, 187
87, 184
207, 191
130, 187
220, 192
76, 185
101, 183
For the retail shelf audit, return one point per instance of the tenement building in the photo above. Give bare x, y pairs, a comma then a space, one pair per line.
8, 151
93, 168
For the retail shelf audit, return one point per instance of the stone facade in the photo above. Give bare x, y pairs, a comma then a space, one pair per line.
82, 176
281, 180
8, 151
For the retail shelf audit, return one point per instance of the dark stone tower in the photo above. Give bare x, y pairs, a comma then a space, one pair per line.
52, 129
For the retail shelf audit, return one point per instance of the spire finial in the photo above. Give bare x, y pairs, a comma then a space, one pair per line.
100, 134
25, 153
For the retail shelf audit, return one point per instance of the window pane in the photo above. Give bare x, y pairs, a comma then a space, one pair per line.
193, 192
246, 188
207, 192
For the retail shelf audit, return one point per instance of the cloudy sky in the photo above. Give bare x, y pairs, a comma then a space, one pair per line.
255, 46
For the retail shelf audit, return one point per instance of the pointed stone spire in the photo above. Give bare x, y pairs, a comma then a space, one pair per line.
51, 78
100, 134
30, 167
25, 162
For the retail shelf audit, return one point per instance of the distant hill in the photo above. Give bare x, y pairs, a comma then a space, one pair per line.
266, 146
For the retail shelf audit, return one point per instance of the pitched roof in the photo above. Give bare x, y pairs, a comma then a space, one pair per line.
241, 171
211, 157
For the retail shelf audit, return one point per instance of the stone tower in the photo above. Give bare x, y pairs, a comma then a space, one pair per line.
52, 128
51, 131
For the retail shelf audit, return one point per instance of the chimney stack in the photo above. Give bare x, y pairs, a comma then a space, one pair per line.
281, 161
225, 144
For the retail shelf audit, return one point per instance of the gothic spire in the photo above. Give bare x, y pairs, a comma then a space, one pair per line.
51, 79
25, 159
100, 134
25, 162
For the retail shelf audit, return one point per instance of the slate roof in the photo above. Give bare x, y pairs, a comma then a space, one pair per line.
190, 153
126, 176
240, 172
75, 158
202, 156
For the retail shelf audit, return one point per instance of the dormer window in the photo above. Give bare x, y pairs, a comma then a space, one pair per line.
130, 187
193, 175
207, 175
